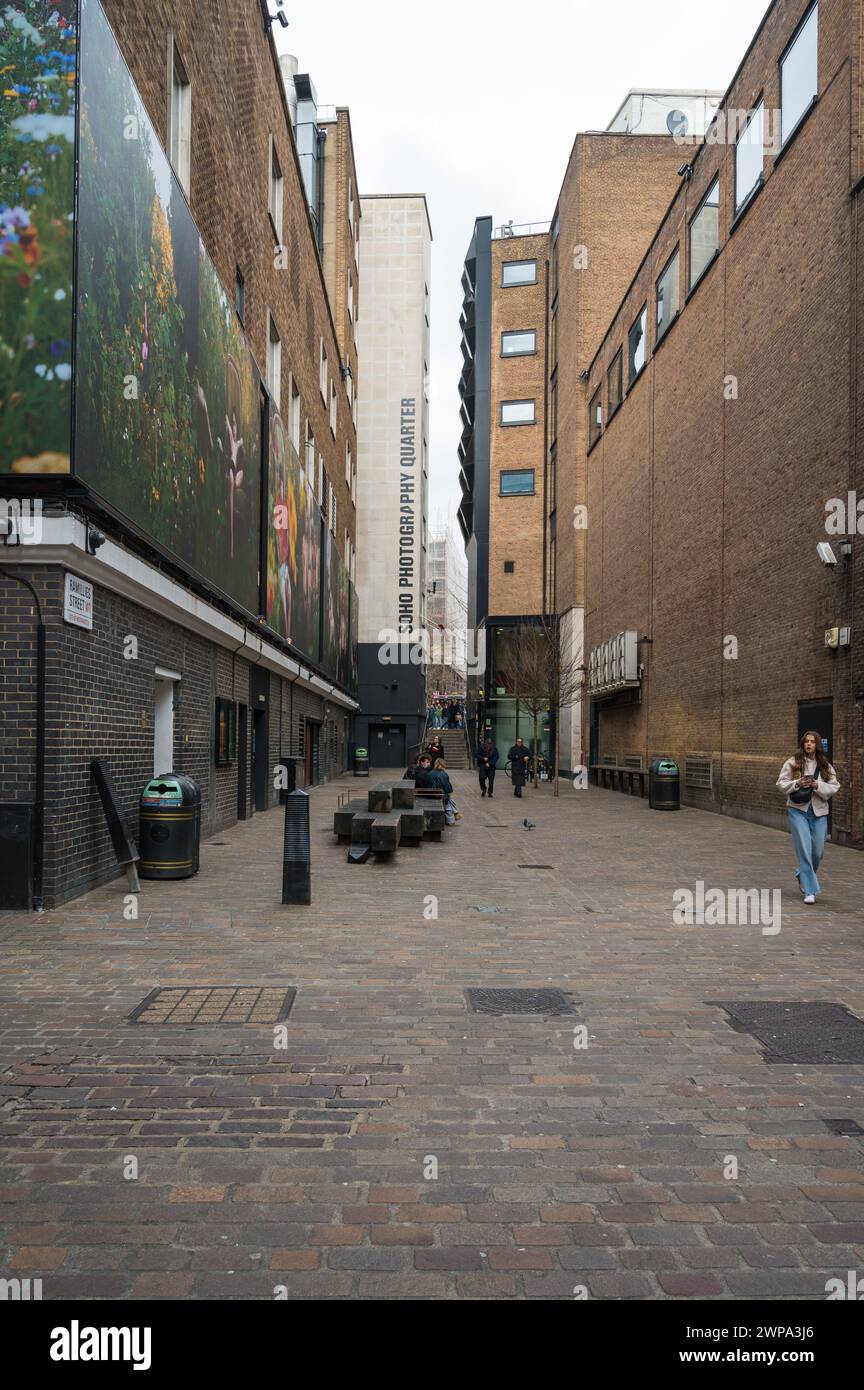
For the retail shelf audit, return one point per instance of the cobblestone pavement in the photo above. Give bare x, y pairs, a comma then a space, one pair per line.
309, 1167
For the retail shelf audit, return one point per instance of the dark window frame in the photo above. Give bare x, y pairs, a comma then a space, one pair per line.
517, 283
786, 141
691, 283
512, 332
633, 377
595, 427
612, 411
517, 472
509, 566
517, 424
739, 208
660, 330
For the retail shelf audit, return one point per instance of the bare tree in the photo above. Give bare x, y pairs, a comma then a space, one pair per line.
544, 674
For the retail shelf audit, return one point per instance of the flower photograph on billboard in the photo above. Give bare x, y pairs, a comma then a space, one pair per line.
293, 547
38, 58
168, 397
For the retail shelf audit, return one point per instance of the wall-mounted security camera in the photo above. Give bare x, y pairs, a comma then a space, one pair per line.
95, 540
826, 554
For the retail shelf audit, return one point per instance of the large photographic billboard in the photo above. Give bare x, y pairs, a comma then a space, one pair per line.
293, 547
37, 186
168, 400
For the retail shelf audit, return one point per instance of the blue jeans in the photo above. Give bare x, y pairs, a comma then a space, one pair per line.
808, 837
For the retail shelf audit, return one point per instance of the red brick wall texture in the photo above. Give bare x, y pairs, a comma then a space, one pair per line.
706, 497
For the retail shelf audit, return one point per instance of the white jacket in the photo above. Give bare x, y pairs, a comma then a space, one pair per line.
822, 792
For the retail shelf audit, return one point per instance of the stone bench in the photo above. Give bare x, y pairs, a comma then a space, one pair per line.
388, 817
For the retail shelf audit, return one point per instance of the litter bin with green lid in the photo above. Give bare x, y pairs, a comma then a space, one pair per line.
170, 828
361, 762
664, 785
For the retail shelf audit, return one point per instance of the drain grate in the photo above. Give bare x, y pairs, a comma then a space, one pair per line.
486, 907
849, 1127
801, 1032
535, 866
215, 1004
497, 1002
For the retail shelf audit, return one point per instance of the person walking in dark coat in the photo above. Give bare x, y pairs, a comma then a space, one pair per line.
487, 759
435, 750
518, 756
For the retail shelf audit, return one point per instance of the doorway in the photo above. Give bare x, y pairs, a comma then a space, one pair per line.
311, 751
242, 762
387, 745
259, 759
818, 715
163, 721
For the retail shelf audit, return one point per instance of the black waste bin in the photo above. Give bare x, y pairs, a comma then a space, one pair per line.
170, 828
664, 785
361, 762
286, 773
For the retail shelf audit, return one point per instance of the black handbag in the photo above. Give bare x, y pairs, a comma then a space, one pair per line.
801, 795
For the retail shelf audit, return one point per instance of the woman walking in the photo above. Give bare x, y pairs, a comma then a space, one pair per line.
809, 781
487, 760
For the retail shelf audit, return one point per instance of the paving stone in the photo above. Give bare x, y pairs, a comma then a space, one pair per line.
603, 1168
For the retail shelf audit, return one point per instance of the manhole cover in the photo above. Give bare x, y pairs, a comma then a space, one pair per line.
850, 1127
802, 1032
215, 1004
519, 1001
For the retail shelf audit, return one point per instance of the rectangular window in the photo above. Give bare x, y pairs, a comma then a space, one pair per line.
799, 75
705, 233
668, 294
333, 408
274, 360
553, 341
517, 413
518, 273
350, 295
179, 116
749, 157
332, 510
518, 344
553, 410
276, 186
637, 346
310, 456
509, 566
595, 417
517, 482
294, 416
615, 382
322, 372
239, 294
348, 464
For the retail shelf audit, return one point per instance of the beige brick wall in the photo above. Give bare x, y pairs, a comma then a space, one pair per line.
516, 523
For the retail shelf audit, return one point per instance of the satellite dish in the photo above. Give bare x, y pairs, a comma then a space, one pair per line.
677, 123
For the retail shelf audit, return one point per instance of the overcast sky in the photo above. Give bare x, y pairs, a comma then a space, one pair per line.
477, 107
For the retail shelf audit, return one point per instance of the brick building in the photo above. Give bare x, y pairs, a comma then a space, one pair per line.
193, 519
537, 301
723, 431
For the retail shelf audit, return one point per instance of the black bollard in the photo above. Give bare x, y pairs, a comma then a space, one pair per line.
296, 854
